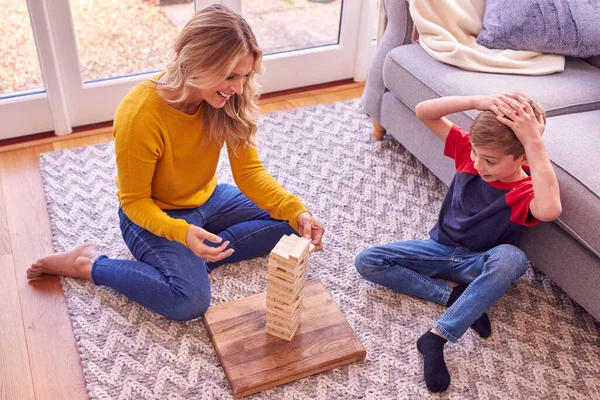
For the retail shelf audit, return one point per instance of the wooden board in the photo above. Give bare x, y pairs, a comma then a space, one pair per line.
254, 360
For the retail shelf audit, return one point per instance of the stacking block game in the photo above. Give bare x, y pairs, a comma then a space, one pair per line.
285, 285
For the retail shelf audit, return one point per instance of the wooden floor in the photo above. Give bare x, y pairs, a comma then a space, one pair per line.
38, 357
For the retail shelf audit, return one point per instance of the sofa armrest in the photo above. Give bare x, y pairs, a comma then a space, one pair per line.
396, 24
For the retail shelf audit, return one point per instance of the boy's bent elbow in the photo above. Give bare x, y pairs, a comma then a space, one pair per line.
551, 214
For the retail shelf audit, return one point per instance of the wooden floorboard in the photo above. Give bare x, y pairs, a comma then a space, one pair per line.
53, 357
16, 381
46, 363
4, 235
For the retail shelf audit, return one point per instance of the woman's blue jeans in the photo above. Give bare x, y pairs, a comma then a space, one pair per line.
410, 267
169, 278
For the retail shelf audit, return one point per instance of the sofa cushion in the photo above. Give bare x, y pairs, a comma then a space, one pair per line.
577, 89
572, 142
569, 28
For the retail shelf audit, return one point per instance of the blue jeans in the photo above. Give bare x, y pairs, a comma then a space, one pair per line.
167, 276
410, 267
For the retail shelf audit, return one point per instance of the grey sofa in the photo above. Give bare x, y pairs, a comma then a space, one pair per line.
403, 74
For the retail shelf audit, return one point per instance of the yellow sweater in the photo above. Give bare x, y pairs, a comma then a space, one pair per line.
164, 161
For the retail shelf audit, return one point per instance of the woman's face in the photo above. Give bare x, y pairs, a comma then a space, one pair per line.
233, 84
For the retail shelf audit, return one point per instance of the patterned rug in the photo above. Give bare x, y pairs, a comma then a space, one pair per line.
544, 346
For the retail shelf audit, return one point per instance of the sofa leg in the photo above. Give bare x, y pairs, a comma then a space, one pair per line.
378, 130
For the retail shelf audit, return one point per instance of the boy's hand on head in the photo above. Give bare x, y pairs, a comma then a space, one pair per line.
489, 102
516, 113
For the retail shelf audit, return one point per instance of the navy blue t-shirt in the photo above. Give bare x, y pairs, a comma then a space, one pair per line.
476, 214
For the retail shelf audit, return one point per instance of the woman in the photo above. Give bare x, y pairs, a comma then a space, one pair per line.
177, 221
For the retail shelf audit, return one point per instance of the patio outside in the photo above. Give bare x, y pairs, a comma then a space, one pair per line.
123, 37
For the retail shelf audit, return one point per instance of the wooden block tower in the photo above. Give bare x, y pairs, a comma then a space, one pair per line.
285, 285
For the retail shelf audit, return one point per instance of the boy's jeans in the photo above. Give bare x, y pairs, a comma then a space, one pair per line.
409, 267
167, 276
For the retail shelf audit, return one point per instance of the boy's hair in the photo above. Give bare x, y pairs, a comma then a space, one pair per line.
487, 131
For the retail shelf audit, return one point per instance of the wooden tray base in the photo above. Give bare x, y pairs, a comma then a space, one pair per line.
254, 360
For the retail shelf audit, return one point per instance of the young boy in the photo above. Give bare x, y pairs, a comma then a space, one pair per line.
504, 181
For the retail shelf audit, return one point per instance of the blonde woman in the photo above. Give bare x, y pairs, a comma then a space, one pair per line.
178, 222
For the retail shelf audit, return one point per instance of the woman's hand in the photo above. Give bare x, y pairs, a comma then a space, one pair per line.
310, 228
195, 238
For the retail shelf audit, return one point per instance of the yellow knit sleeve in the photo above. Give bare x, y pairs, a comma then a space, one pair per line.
259, 186
138, 146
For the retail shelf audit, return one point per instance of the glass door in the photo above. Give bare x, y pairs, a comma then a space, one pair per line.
106, 47
24, 106
92, 52
305, 42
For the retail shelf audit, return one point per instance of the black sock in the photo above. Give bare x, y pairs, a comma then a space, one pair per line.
431, 347
482, 324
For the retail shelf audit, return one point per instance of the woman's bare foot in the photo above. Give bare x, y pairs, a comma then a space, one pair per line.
76, 262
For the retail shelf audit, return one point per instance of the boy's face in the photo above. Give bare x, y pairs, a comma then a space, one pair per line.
493, 165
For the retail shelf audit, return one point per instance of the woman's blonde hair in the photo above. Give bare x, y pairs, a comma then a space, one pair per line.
206, 52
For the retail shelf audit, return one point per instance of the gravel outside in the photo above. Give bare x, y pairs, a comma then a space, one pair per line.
123, 37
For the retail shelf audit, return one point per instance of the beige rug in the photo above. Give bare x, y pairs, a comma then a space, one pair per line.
365, 193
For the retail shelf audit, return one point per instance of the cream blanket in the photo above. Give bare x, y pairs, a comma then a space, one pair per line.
448, 31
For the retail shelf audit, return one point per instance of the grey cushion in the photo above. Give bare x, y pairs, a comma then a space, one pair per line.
567, 27
415, 76
572, 142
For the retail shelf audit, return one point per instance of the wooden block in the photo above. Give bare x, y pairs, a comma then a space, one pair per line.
274, 289
280, 277
283, 249
311, 247
283, 317
293, 239
281, 306
254, 360
289, 240
284, 282
300, 250
284, 299
288, 314
280, 334
286, 287
277, 259
278, 301
285, 325
284, 291
272, 270
292, 267
289, 330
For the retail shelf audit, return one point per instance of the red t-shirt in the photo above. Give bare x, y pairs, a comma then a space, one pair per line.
477, 214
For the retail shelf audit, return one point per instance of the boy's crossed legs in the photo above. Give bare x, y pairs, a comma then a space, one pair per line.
409, 267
